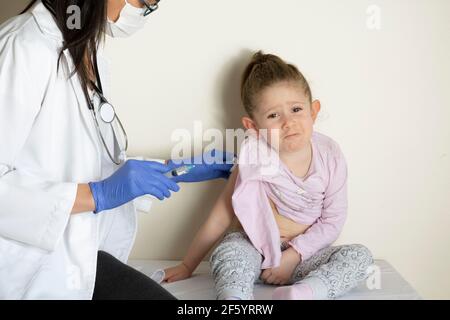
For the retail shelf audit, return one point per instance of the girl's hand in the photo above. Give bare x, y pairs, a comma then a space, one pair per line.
282, 274
177, 273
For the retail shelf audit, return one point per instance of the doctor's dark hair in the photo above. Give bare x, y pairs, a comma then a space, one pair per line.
82, 43
265, 70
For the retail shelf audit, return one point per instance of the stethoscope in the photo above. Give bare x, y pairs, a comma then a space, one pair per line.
107, 115
106, 110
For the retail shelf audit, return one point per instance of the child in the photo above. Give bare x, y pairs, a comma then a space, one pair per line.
288, 217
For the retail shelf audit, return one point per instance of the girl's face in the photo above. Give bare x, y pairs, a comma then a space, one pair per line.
285, 111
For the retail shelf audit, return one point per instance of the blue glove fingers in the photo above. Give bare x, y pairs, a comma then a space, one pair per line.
177, 179
169, 183
155, 187
157, 193
159, 167
158, 180
150, 175
165, 192
208, 166
221, 167
225, 174
146, 183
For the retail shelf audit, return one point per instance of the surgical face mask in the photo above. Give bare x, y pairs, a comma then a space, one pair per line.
131, 20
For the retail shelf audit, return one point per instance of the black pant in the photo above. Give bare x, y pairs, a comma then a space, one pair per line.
118, 281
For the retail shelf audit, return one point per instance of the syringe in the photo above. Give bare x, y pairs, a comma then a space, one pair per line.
181, 170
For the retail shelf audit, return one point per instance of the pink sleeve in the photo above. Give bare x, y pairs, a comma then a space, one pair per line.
252, 207
334, 212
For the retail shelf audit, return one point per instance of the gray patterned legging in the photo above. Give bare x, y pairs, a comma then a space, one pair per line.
331, 272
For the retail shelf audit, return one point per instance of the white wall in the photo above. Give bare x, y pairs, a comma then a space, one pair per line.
385, 99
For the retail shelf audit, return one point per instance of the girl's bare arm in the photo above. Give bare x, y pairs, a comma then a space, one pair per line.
214, 227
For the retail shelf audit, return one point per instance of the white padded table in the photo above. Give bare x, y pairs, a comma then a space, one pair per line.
201, 286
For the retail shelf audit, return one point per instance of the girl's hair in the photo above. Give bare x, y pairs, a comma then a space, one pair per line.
263, 71
82, 43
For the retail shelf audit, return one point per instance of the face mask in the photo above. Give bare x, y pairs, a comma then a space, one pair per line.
131, 20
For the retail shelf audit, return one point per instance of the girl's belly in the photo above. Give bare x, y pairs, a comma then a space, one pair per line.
288, 229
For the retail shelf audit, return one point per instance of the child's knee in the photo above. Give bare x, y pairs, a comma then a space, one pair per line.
363, 251
361, 254
234, 251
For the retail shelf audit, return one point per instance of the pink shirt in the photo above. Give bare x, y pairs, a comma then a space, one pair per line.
319, 199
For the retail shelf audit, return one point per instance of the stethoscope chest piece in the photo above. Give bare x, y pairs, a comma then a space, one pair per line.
107, 113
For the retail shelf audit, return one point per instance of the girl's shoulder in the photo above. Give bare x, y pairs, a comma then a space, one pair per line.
326, 146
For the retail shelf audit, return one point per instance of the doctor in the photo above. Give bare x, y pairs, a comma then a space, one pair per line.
67, 213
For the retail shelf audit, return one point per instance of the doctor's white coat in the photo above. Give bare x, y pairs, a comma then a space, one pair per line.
48, 145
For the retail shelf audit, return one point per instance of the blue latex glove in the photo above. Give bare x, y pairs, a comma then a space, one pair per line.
134, 179
208, 166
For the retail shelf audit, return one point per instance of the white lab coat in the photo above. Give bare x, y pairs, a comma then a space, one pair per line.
49, 144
